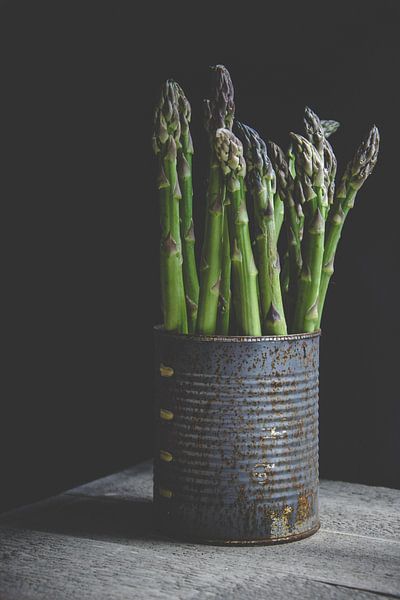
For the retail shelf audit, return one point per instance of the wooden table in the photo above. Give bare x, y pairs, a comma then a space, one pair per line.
97, 541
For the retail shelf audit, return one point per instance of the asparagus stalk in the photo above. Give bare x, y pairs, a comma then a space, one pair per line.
229, 152
284, 276
185, 156
279, 214
261, 182
166, 140
300, 217
291, 160
281, 181
330, 168
314, 131
219, 112
224, 303
356, 173
310, 172
285, 189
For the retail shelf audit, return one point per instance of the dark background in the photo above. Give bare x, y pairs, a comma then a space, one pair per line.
78, 82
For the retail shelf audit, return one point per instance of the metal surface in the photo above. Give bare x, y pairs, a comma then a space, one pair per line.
236, 457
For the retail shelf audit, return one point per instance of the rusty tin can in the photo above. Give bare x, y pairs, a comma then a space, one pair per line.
236, 457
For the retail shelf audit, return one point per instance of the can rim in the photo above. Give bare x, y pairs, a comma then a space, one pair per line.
159, 329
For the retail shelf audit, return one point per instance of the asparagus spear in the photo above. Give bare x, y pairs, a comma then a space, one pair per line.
291, 160
261, 182
281, 182
166, 140
229, 152
279, 213
329, 126
284, 277
317, 133
314, 130
300, 217
224, 302
185, 156
219, 112
357, 171
330, 168
310, 172
285, 189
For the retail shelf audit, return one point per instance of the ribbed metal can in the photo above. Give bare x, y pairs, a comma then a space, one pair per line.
236, 452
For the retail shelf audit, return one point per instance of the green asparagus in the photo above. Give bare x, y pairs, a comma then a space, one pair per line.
329, 126
239, 293
291, 159
185, 155
219, 112
330, 168
229, 152
310, 173
285, 189
261, 182
314, 131
357, 171
224, 302
166, 140
317, 133
279, 214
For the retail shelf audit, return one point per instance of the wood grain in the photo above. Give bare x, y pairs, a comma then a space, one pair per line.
98, 541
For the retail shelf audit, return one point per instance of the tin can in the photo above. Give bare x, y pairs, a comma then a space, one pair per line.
236, 452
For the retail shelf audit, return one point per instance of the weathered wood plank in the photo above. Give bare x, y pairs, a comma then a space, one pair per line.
52, 565
360, 509
285, 587
98, 541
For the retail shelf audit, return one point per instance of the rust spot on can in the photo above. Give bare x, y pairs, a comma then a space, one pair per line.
303, 508
286, 515
243, 433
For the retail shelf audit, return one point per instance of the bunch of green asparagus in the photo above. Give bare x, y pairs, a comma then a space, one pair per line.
239, 288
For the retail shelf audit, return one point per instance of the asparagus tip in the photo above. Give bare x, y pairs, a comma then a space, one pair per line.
314, 129
255, 152
229, 151
329, 126
167, 124
365, 158
220, 110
